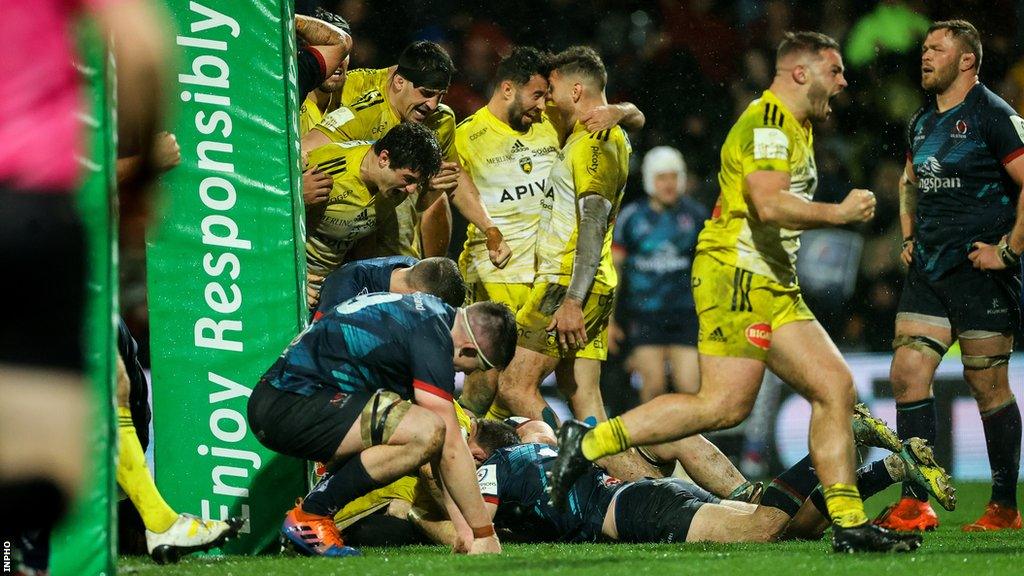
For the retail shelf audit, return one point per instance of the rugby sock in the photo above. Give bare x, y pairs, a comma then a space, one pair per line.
134, 478
605, 439
916, 419
788, 490
871, 480
844, 505
499, 413
333, 492
1002, 438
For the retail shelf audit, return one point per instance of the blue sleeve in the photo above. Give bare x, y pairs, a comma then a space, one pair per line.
431, 352
1005, 133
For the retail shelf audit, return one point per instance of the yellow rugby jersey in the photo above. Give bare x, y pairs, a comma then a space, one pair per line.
589, 163
367, 115
351, 208
766, 137
310, 114
511, 170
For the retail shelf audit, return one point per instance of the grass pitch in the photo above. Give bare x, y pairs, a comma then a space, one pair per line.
945, 551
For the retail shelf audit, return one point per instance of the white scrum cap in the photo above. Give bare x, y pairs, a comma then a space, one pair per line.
659, 160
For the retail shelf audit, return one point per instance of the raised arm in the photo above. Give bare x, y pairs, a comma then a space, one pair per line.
774, 204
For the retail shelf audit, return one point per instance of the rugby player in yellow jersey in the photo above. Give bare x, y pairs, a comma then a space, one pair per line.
324, 98
411, 91
748, 302
363, 174
574, 285
507, 148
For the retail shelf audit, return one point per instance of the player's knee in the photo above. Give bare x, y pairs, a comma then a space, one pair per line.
726, 412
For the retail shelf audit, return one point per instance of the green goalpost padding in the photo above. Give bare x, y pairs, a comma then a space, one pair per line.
225, 263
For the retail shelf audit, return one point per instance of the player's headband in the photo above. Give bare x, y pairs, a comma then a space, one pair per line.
432, 79
487, 365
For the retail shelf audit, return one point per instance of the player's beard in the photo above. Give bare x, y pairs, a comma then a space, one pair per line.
516, 112
819, 98
941, 79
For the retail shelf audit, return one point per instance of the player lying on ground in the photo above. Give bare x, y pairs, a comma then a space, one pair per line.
514, 482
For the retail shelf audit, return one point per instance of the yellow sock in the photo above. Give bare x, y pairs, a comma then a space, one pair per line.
844, 505
496, 412
134, 478
605, 439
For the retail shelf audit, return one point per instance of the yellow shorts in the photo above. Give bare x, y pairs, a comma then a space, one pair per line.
512, 295
738, 310
402, 489
544, 299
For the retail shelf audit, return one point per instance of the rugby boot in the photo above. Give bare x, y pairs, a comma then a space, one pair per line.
870, 538
908, 515
871, 431
996, 517
922, 469
189, 534
570, 463
313, 535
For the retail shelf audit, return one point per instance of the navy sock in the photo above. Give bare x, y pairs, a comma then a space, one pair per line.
333, 492
916, 419
871, 479
1002, 438
788, 490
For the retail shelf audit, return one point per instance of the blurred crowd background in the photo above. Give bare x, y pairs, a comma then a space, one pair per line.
692, 66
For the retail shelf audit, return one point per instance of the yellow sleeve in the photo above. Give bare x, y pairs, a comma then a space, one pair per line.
361, 80
763, 148
323, 154
444, 127
596, 167
340, 125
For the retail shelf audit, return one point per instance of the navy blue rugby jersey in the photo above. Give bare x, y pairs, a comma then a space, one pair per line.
964, 193
515, 479
359, 277
396, 342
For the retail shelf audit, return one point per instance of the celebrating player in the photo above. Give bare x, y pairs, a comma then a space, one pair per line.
962, 244
363, 175
340, 394
749, 305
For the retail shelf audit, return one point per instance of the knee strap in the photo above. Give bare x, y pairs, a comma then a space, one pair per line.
923, 344
984, 362
381, 416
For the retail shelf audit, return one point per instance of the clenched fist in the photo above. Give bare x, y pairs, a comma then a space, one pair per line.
858, 206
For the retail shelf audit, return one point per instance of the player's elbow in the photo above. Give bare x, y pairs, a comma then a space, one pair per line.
766, 212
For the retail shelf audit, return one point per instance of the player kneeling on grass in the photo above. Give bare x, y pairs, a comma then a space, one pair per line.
341, 392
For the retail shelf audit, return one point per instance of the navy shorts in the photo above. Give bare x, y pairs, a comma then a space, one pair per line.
970, 299
677, 329
308, 427
658, 510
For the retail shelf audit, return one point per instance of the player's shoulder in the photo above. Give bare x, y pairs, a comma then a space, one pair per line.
634, 209
470, 124
336, 157
991, 104
443, 118
766, 112
692, 206
360, 80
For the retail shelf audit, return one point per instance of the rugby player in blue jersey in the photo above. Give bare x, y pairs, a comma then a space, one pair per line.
963, 233
400, 274
367, 389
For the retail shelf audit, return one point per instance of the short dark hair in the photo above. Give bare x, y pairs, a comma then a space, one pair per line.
332, 18
497, 333
425, 63
492, 435
809, 42
521, 64
966, 34
583, 61
439, 276
412, 146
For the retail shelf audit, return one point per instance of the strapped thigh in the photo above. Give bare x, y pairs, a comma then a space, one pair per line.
381, 416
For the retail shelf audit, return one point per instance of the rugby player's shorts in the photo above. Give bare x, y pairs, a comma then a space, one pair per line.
544, 300
658, 510
308, 427
513, 295
964, 299
402, 489
675, 329
739, 310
